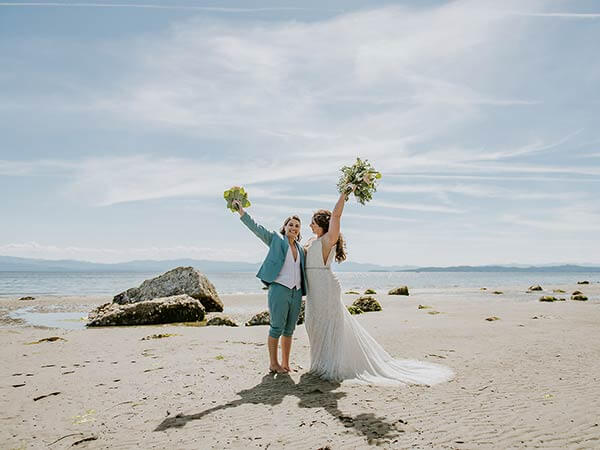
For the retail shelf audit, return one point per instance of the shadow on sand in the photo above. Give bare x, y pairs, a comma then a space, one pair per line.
311, 391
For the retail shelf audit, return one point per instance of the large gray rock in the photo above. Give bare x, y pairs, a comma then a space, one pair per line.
182, 280
179, 308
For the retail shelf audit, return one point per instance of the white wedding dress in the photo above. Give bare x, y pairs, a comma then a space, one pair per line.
340, 348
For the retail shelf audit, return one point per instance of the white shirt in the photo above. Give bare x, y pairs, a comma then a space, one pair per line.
289, 276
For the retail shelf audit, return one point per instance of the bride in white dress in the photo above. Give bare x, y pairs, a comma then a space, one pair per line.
340, 348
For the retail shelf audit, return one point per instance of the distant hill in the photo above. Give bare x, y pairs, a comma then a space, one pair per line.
14, 264
550, 269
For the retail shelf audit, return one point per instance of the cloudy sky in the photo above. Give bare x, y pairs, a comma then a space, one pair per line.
122, 123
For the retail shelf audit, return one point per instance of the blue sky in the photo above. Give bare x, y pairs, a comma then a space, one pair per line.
122, 123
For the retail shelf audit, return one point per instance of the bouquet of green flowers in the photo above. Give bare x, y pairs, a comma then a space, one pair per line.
360, 178
236, 193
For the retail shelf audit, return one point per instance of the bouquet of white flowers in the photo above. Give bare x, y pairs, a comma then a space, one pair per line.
360, 178
236, 193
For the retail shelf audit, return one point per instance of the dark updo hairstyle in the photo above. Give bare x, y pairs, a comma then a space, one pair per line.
282, 230
322, 218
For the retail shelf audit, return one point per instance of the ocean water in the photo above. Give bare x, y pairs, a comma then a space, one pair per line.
17, 284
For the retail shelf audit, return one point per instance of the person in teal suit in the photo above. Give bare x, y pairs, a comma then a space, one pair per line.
283, 272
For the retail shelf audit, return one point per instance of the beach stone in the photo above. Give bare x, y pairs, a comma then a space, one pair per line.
548, 298
262, 318
354, 310
580, 297
177, 308
558, 291
492, 318
301, 315
583, 282
179, 281
402, 290
27, 298
158, 336
367, 304
370, 292
577, 293
352, 292
535, 288
221, 320
498, 292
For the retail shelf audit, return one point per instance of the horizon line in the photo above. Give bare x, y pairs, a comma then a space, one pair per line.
413, 266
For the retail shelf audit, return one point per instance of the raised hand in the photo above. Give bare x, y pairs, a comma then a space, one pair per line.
238, 206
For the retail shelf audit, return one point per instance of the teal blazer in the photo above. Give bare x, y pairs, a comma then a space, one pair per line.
278, 248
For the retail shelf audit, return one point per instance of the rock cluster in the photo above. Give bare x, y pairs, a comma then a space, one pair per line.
179, 295
301, 316
550, 298
179, 308
402, 290
367, 304
354, 310
221, 320
262, 318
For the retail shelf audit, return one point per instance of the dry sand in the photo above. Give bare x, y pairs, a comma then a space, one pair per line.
530, 379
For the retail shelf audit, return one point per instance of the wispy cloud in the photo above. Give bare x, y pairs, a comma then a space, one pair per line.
559, 15
417, 207
530, 149
476, 116
34, 168
213, 9
109, 181
581, 222
120, 254
262, 82
483, 191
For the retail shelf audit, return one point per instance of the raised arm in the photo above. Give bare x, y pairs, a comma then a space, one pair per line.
261, 232
332, 235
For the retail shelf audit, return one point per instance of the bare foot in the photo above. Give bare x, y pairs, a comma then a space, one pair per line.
276, 369
286, 367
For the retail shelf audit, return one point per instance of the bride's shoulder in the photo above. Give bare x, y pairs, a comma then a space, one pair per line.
309, 242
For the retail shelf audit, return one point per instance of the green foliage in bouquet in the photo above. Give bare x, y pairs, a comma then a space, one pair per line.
236, 193
361, 175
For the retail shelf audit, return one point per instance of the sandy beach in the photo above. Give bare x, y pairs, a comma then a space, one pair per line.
529, 379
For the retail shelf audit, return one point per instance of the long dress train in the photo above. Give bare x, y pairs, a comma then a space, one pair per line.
340, 348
